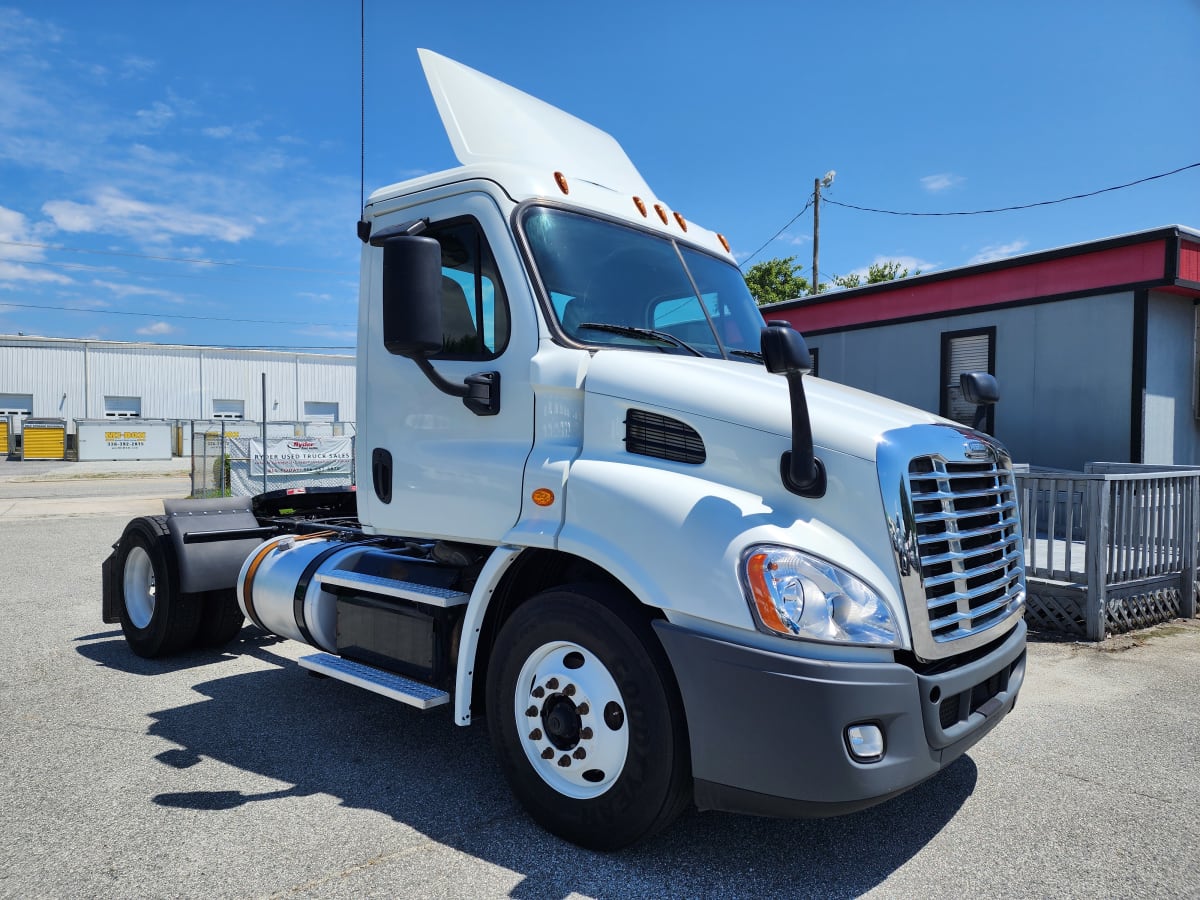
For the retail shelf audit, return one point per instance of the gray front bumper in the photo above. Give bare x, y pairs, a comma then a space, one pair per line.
768, 730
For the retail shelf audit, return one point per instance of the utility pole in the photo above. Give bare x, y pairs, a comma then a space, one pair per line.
818, 183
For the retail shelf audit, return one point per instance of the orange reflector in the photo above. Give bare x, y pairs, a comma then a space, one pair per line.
680, 220
562, 182
543, 496
762, 597
637, 201
662, 213
724, 243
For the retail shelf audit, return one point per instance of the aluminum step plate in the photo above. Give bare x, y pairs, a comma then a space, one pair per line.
389, 684
389, 587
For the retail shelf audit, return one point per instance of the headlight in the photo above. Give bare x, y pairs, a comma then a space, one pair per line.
801, 596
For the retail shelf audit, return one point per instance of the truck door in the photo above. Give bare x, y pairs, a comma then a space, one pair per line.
450, 472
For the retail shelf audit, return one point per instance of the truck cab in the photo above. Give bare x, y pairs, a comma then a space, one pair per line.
604, 506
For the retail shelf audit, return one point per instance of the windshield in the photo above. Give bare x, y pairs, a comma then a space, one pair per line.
639, 289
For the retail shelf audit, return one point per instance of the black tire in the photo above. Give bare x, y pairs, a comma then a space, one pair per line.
156, 617
577, 644
221, 618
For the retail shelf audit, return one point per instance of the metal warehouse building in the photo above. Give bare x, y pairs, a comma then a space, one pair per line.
1095, 346
70, 380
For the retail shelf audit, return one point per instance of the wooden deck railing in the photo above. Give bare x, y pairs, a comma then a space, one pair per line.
1111, 548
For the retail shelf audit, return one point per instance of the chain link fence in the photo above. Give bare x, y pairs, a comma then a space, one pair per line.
230, 460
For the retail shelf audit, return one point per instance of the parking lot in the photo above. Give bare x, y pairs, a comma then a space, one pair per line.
238, 775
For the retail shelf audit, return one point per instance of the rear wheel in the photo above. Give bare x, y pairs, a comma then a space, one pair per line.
156, 618
221, 618
586, 718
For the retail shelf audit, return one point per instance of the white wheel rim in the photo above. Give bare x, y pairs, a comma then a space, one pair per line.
139, 587
571, 720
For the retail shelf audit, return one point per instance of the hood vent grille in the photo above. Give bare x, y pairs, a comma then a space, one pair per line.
650, 434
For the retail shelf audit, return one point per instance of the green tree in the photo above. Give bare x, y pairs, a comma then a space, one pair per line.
887, 271
876, 272
776, 280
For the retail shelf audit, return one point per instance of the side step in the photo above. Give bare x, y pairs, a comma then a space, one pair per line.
389, 684
387, 587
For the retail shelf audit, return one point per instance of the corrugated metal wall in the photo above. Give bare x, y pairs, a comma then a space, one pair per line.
69, 379
1063, 368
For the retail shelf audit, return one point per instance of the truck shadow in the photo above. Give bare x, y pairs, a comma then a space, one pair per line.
441, 780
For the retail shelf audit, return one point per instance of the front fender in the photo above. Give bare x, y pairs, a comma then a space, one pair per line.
676, 539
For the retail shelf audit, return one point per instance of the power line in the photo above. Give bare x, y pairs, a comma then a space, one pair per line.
178, 259
161, 315
980, 212
973, 212
777, 234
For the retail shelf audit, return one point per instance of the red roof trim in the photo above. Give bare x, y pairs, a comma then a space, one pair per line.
1077, 273
1189, 261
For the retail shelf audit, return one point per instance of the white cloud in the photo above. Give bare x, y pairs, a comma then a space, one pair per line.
112, 212
17, 250
19, 32
941, 182
245, 133
10, 273
123, 290
135, 66
158, 328
993, 252
154, 118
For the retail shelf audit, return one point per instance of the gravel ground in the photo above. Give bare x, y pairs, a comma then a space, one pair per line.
238, 775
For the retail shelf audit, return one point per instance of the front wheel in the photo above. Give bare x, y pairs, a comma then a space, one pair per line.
586, 718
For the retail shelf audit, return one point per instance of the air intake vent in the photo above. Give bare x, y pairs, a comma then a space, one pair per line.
653, 435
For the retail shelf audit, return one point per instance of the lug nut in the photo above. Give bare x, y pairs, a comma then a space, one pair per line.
583, 709
579, 753
531, 712
569, 690
539, 692
552, 684
536, 734
547, 753
585, 734
565, 761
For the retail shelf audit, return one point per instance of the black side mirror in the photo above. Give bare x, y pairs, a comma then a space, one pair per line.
784, 350
412, 295
412, 312
785, 353
980, 389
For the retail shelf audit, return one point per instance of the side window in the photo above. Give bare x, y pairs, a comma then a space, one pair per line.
965, 351
475, 322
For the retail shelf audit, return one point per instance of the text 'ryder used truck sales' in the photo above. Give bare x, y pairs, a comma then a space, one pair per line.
600, 503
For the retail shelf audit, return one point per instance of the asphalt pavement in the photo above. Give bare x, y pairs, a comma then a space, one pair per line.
236, 774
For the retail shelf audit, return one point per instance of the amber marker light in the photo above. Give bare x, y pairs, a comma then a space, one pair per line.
562, 182
662, 213
543, 497
641, 207
682, 222
724, 243
757, 567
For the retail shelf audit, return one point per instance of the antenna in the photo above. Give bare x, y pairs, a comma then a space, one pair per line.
362, 105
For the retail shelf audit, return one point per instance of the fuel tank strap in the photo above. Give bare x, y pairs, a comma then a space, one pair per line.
302, 585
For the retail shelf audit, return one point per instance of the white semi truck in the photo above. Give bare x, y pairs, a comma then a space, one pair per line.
601, 505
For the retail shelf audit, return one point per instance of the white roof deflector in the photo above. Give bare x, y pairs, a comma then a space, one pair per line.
489, 121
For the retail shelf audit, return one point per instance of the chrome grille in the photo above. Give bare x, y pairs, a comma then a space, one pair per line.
968, 544
952, 518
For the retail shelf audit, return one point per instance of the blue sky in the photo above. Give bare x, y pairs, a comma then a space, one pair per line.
169, 171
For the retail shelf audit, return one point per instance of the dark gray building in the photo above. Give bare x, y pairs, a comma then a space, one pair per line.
1094, 346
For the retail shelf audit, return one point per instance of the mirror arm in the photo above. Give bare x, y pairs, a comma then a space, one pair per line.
799, 468
480, 392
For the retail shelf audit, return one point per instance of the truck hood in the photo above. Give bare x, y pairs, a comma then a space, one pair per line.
844, 419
